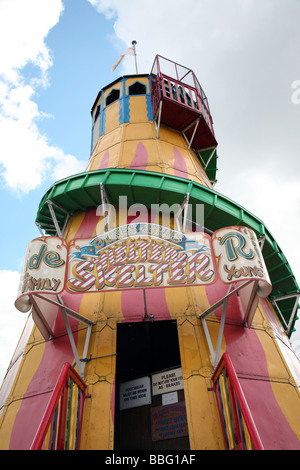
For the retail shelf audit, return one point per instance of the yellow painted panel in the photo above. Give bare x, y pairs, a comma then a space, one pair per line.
74, 225
205, 431
97, 429
8, 423
111, 305
107, 141
112, 116
276, 366
189, 346
287, 396
138, 108
145, 130
170, 135
105, 349
179, 301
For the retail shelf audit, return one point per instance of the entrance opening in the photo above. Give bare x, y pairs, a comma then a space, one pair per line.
150, 408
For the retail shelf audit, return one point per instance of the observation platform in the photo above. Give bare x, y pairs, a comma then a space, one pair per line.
179, 102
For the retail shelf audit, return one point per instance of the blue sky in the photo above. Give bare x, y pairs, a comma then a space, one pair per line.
56, 55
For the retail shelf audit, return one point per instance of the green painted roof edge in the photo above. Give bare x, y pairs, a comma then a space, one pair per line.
82, 190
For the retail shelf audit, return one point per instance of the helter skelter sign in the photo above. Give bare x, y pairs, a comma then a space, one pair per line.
139, 256
142, 255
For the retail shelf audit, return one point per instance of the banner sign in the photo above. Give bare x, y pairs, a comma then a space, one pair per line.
169, 421
141, 256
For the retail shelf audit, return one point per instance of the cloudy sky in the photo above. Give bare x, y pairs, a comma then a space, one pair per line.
56, 55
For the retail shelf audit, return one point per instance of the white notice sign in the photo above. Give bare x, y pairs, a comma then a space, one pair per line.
169, 398
167, 381
135, 393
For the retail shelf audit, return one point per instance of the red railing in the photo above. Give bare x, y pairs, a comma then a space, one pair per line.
178, 84
237, 422
60, 428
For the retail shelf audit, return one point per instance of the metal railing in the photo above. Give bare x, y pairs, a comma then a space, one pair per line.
179, 84
238, 426
60, 428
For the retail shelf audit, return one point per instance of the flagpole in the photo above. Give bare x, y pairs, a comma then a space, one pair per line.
134, 43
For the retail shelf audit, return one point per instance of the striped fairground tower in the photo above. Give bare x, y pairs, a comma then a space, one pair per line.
159, 311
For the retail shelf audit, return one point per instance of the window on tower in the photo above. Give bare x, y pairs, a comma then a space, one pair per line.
137, 89
114, 95
97, 112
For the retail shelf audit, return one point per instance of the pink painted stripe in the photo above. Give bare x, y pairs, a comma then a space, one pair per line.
180, 168
140, 159
88, 223
104, 161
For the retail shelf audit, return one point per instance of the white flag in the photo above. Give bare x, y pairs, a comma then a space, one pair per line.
130, 51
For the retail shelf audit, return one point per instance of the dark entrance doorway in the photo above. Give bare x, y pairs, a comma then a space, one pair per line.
149, 401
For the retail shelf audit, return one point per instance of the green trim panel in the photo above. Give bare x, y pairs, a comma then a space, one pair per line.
83, 190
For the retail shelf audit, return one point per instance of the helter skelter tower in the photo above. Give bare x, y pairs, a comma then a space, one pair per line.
152, 328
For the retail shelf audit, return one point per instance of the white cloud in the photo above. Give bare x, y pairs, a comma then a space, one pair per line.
11, 320
23, 28
26, 156
25, 153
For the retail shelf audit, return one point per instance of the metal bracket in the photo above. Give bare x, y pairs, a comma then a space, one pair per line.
106, 206
40, 229
210, 157
215, 355
51, 206
184, 206
194, 123
158, 118
66, 312
261, 241
295, 308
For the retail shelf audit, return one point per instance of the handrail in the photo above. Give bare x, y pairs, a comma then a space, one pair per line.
60, 427
239, 429
158, 71
163, 87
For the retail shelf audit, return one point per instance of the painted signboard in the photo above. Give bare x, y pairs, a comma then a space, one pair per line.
148, 256
239, 257
141, 256
135, 393
169, 421
44, 269
167, 381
